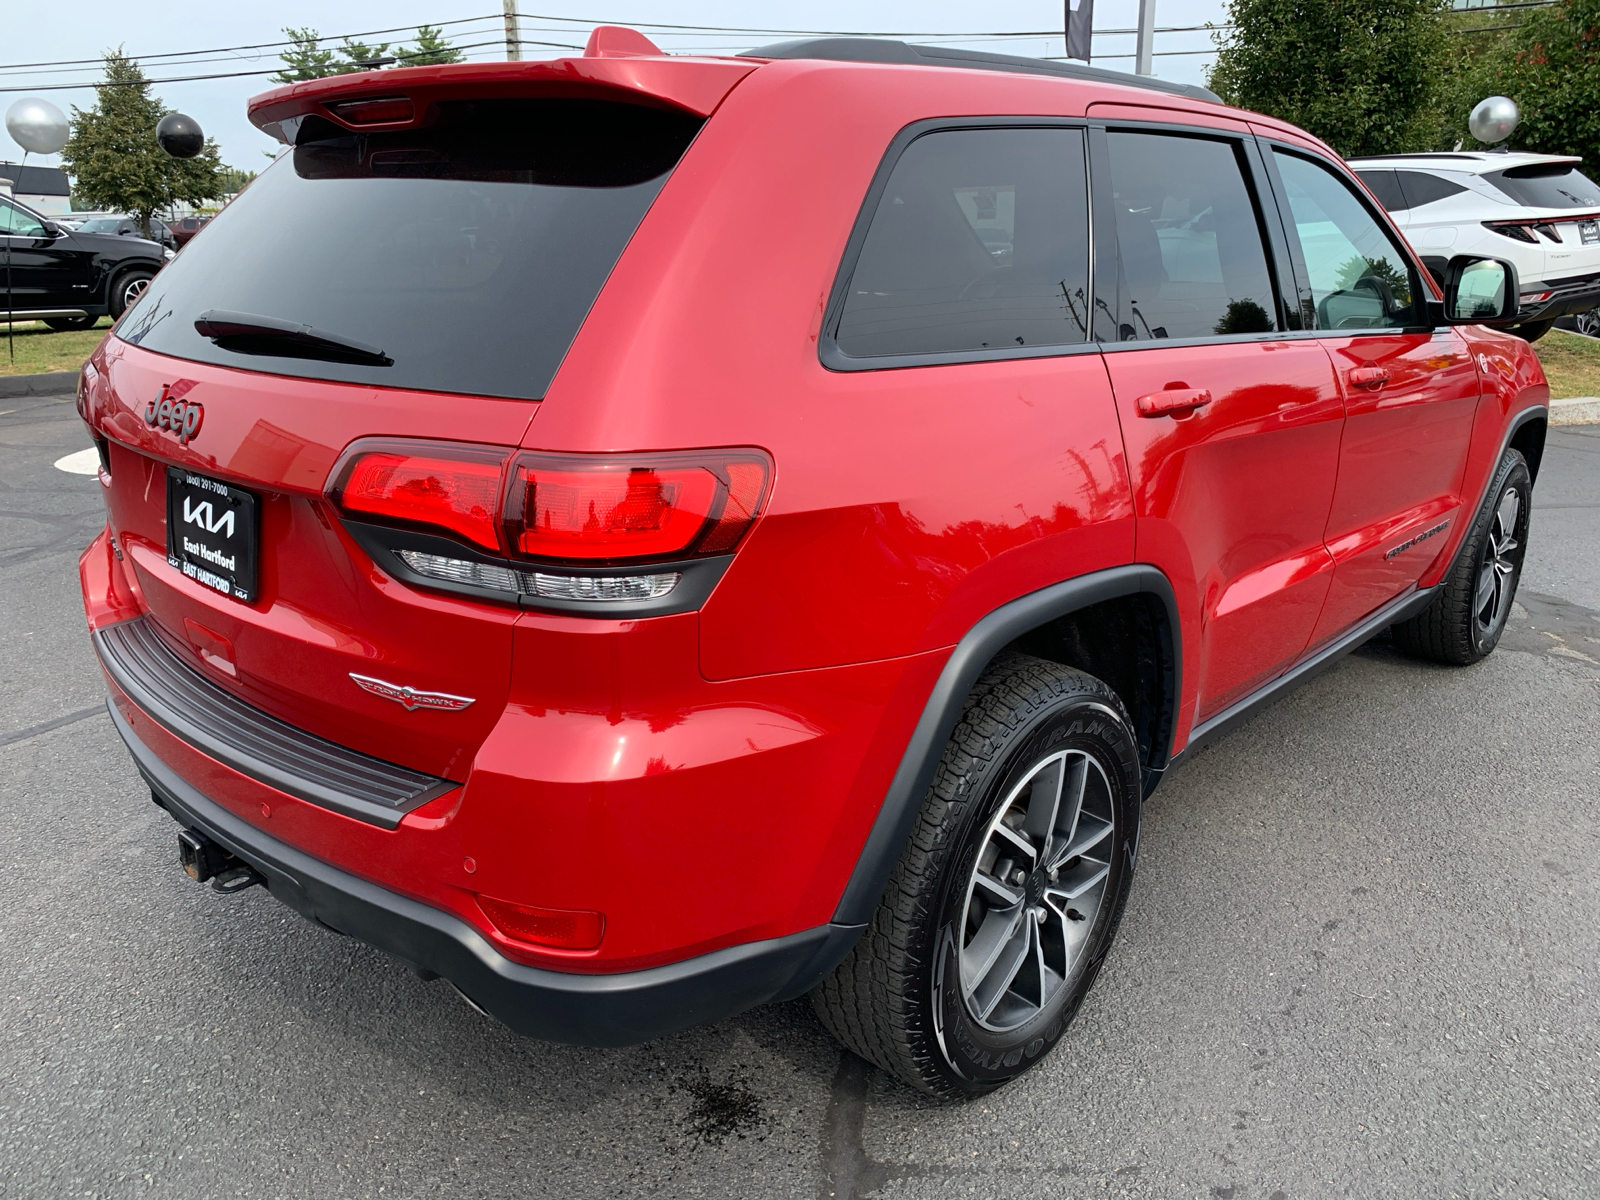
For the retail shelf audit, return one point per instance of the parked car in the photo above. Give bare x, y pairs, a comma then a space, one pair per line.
121, 225
1539, 211
70, 278
184, 228
640, 537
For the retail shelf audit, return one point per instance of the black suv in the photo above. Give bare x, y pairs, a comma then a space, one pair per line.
68, 278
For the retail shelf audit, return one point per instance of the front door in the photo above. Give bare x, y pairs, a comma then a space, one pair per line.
1410, 393
1232, 433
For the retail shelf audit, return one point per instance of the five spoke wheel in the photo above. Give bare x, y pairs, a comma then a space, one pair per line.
1039, 879
1497, 574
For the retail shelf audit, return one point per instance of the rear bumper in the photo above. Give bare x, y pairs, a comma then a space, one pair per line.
594, 1010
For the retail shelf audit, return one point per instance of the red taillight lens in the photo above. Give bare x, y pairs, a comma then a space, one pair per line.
561, 928
456, 489
615, 507
380, 110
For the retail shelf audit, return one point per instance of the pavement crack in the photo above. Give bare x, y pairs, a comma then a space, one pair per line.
22, 735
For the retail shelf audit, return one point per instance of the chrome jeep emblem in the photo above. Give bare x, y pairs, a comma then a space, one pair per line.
410, 697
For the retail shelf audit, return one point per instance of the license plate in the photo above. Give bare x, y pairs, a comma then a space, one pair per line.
211, 532
1589, 232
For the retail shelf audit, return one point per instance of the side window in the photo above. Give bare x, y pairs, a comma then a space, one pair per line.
980, 241
1358, 278
17, 223
1189, 244
1385, 186
1422, 188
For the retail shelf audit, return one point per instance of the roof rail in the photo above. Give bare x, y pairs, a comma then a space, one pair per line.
884, 50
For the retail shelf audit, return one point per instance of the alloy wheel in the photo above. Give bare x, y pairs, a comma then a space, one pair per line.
132, 290
1588, 322
1037, 885
1501, 557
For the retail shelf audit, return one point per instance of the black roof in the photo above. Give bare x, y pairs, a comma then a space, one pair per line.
883, 50
36, 181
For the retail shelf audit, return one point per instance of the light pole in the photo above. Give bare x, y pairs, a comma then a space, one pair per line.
1144, 48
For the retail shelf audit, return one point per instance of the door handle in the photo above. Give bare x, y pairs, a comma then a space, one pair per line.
1172, 401
1368, 377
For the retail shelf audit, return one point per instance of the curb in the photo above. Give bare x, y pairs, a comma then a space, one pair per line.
48, 383
1580, 410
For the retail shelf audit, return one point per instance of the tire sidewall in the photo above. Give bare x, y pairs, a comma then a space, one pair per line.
119, 286
1513, 472
976, 1059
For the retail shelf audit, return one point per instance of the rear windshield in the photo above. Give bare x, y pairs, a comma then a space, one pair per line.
467, 252
1548, 185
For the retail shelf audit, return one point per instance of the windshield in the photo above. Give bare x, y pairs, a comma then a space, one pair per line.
468, 251
1548, 185
100, 225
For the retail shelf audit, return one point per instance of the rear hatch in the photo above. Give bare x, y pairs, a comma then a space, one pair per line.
1561, 215
421, 278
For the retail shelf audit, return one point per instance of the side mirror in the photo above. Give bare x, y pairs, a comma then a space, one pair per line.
1480, 291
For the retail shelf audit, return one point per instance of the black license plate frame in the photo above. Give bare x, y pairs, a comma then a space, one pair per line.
1589, 232
214, 533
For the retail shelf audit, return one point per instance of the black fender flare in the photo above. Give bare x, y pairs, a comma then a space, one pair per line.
974, 652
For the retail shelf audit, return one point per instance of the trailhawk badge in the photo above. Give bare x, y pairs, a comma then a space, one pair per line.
410, 696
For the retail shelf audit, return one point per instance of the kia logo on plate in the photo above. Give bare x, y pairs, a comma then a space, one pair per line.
170, 411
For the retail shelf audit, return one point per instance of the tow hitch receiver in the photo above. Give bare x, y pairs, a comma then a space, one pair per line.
203, 859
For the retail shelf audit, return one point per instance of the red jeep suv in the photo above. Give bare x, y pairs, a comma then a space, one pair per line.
640, 537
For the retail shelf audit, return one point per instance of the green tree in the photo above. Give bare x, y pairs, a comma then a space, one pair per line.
231, 180
1549, 63
305, 58
433, 49
113, 157
1360, 74
356, 53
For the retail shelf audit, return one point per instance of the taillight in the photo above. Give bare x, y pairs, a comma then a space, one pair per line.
1512, 229
438, 485
527, 516
561, 928
630, 507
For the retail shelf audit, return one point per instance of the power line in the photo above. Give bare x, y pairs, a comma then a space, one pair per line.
73, 62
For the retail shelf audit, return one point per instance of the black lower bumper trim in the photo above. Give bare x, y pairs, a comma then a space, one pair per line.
587, 1010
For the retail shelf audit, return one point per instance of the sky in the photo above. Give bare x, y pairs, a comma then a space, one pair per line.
476, 26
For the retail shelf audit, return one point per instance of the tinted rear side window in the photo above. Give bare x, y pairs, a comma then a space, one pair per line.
1422, 188
468, 251
980, 241
1386, 188
1189, 244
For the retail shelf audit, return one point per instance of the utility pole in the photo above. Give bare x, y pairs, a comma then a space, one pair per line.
513, 33
1144, 48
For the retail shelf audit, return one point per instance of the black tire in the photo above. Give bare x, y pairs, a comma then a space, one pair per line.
70, 324
1532, 331
126, 288
1464, 624
898, 1000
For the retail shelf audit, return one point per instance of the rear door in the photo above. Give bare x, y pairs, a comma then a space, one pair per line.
1410, 390
1231, 497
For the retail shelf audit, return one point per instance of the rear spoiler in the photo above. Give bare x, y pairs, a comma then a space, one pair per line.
402, 98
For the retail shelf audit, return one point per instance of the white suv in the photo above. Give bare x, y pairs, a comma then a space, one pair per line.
1539, 211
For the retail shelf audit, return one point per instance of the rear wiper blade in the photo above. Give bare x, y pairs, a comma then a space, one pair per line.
247, 333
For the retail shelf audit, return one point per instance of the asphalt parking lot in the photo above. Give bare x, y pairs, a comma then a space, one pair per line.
1360, 960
